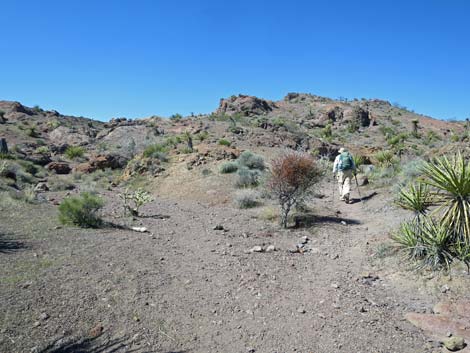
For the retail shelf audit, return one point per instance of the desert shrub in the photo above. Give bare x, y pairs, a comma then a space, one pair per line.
32, 132
224, 142
293, 176
247, 177
186, 150
228, 167
251, 161
81, 210
436, 238
327, 132
42, 150
73, 152
385, 158
133, 201
53, 124
203, 135
157, 151
247, 199
176, 117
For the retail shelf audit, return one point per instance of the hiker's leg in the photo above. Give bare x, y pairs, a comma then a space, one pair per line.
347, 184
340, 185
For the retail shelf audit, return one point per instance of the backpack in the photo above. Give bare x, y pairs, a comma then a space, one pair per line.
345, 161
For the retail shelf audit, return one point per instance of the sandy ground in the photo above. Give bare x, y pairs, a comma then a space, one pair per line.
185, 287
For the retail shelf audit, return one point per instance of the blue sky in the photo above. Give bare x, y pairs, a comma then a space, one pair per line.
105, 59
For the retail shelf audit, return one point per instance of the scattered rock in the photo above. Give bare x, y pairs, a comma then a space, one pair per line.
218, 227
304, 240
454, 343
270, 248
301, 310
43, 316
445, 288
37, 324
344, 223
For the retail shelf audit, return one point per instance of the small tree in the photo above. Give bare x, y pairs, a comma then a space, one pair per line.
293, 176
134, 200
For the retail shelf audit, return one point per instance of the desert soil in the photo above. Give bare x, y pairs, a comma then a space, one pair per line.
185, 287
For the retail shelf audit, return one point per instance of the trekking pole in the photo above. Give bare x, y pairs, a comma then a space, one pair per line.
357, 185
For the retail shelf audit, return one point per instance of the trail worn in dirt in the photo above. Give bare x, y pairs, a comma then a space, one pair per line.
186, 287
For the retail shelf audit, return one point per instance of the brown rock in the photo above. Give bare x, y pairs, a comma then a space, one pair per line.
438, 326
59, 167
455, 309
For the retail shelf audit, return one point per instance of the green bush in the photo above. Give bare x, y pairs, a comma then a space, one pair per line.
251, 161
247, 178
157, 151
81, 210
224, 142
228, 167
203, 135
73, 152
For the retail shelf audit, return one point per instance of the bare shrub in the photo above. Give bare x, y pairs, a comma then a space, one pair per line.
247, 199
293, 176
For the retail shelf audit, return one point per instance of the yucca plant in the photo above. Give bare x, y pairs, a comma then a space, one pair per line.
416, 197
450, 179
436, 238
358, 161
409, 240
385, 158
426, 242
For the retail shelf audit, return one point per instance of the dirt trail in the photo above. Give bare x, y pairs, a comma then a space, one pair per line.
185, 287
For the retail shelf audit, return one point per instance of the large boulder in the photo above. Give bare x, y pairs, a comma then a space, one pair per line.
59, 167
39, 158
358, 115
245, 105
112, 161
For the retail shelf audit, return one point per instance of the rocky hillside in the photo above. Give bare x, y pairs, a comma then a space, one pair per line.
305, 122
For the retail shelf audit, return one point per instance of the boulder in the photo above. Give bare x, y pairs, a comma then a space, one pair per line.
112, 161
41, 187
245, 105
59, 167
39, 158
3, 146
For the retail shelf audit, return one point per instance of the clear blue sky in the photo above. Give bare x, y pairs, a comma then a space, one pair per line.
104, 59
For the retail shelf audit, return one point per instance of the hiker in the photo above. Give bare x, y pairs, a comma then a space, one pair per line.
344, 169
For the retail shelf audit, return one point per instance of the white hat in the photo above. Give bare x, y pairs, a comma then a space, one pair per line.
342, 149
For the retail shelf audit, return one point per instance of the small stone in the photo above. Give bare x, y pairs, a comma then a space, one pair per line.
301, 310
300, 246
256, 248
140, 229
304, 239
37, 324
96, 331
43, 316
270, 248
218, 227
334, 285
454, 344
445, 288
344, 223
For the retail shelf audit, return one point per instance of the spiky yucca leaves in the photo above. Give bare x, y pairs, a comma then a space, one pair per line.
358, 161
385, 158
427, 243
451, 180
416, 197
409, 240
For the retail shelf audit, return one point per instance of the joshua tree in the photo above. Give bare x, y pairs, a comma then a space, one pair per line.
415, 127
